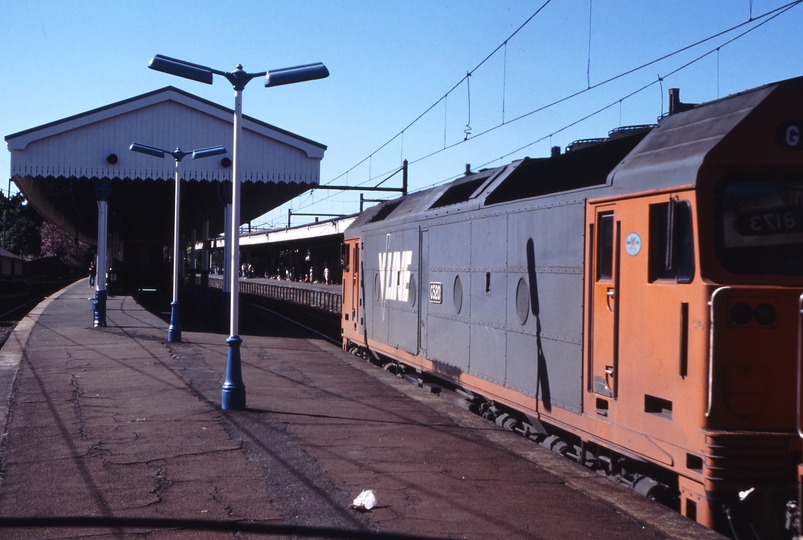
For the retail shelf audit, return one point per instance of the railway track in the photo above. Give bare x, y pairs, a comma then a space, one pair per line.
292, 319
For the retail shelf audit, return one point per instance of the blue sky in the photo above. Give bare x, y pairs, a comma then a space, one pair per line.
390, 61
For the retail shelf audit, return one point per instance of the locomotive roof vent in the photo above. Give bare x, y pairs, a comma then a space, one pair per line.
616, 133
385, 211
584, 143
461, 191
624, 131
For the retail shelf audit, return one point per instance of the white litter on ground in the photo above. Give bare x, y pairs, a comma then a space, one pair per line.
365, 500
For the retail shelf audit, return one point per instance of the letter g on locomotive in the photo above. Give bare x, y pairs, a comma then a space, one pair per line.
788, 135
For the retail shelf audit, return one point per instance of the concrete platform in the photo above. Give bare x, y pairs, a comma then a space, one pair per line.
115, 432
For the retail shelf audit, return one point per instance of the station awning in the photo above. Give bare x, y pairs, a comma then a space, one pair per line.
56, 166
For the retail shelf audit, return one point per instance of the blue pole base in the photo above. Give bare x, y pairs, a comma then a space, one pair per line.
99, 306
233, 388
174, 330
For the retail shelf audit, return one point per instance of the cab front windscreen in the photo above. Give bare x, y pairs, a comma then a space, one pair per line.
759, 223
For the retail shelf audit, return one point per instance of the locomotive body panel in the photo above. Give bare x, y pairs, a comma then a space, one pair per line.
545, 302
392, 315
500, 288
446, 317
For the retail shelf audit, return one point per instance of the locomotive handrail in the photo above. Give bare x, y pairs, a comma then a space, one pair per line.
617, 302
712, 304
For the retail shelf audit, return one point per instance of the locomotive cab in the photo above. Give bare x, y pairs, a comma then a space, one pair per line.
692, 305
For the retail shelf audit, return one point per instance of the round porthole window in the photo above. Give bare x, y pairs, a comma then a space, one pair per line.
457, 295
522, 301
411, 293
377, 288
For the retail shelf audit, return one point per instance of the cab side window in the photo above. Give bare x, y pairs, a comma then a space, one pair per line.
344, 257
605, 247
671, 242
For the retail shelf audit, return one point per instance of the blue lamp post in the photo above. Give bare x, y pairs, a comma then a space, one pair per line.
174, 330
233, 395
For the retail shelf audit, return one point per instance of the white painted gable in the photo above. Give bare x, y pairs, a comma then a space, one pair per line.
168, 118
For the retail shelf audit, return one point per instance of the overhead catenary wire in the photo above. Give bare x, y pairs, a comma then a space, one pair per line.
444, 99
659, 80
452, 89
771, 14
763, 18
775, 13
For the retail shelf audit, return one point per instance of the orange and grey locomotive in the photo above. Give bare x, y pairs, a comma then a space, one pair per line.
633, 302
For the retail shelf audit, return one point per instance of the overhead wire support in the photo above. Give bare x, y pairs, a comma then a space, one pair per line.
402, 189
467, 131
290, 214
718, 72
445, 118
363, 200
361, 187
588, 67
504, 82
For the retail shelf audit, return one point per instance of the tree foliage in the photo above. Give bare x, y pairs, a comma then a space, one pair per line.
27, 234
21, 225
55, 241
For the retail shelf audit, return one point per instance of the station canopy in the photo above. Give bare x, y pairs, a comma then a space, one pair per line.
57, 165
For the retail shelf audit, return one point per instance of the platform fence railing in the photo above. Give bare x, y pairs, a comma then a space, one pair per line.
324, 300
